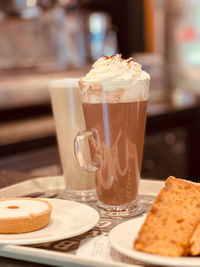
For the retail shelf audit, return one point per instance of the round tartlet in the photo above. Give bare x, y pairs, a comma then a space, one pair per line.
22, 215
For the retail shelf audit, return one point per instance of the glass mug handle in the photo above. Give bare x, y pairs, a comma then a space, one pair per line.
81, 136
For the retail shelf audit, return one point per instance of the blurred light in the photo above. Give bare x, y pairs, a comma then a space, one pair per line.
31, 3
66, 2
193, 55
96, 23
170, 138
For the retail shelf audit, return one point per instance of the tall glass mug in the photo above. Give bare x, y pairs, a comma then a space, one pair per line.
115, 122
69, 119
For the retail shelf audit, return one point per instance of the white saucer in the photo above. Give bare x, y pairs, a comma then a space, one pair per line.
68, 219
122, 238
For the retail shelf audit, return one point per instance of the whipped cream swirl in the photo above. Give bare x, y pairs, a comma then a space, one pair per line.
114, 68
124, 77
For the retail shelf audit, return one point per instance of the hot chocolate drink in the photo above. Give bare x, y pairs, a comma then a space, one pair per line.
114, 96
121, 147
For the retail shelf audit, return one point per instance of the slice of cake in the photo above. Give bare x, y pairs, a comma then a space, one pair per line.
21, 215
170, 223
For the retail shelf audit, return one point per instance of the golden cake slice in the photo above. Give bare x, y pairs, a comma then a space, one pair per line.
170, 223
21, 215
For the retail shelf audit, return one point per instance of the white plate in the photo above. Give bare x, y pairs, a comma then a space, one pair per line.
68, 219
123, 235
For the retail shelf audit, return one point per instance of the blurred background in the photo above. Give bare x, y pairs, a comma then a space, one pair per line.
41, 40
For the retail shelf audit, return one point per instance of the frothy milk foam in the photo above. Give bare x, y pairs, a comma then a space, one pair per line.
114, 96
